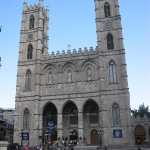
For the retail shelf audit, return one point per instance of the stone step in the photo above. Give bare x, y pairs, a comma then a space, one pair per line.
85, 147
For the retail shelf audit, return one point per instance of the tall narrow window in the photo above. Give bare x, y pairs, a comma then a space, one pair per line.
29, 51
115, 114
110, 41
69, 76
31, 22
28, 79
89, 74
26, 119
112, 72
107, 9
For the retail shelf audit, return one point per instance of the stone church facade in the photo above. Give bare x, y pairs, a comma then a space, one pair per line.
80, 94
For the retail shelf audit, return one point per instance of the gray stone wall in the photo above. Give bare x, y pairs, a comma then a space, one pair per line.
79, 90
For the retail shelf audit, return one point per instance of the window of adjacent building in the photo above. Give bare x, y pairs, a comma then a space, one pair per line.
112, 72
116, 114
31, 22
30, 51
107, 10
110, 41
28, 79
140, 135
26, 119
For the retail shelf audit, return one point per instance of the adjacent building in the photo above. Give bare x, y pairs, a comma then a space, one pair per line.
7, 124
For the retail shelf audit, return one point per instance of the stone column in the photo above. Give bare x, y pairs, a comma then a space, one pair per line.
80, 124
59, 125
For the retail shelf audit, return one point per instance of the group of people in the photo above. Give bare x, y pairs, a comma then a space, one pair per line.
63, 143
26, 147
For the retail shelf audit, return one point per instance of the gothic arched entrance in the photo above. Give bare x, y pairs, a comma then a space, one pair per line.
91, 120
140, 135
70, 120
49, 124
94, 137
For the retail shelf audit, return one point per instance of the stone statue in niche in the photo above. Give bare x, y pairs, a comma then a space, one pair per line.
50, 78
69, 76
89, 74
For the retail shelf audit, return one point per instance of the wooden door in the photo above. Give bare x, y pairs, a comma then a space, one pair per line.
94, 137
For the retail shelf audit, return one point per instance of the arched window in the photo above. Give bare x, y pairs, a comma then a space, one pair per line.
89, 74
30, 51
69, 76
112, 72
110, 41
115, 114
107, 9
26, 119
31, 22
28, 79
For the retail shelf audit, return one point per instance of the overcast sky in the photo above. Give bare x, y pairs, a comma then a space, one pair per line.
73, 22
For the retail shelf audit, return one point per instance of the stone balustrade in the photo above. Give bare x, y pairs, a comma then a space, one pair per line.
73, 52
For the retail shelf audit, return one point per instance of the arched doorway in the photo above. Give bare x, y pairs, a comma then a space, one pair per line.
49, 124
94, 137
91, 120
70, 121
140, 135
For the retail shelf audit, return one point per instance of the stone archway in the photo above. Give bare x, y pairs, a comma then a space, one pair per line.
140, 135
91, 120
49, 124
70, 119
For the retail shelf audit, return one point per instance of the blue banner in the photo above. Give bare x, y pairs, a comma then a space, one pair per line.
117, 133
25, 136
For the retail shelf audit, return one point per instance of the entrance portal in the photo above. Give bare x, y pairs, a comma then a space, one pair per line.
70, 119
49, 124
